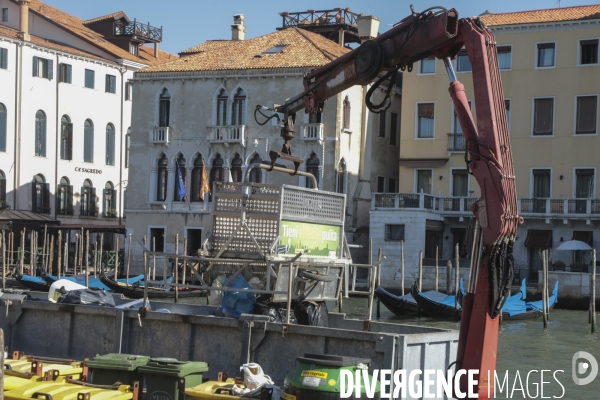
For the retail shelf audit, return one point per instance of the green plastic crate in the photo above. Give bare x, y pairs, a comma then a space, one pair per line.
110, 368
167, 378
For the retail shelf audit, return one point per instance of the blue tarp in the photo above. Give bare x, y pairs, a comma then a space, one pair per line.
538, 305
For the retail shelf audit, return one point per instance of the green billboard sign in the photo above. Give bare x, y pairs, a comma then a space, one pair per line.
314, 240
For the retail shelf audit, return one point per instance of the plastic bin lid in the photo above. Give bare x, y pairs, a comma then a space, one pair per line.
123, 362
173, 367
331, 360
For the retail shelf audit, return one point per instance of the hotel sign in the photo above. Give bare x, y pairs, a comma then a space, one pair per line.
88, 170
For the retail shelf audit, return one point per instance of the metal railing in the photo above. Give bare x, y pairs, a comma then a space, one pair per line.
143, 31
321, 17
456, 142
227, 134
159, 134
312, 131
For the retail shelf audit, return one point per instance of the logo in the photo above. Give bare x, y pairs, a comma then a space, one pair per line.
580, 368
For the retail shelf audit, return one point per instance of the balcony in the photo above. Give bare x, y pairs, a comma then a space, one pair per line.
141, 31
160, 135
312, 132
560, 208
456, 142
227, 134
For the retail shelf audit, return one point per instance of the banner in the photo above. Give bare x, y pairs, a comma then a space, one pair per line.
314, 240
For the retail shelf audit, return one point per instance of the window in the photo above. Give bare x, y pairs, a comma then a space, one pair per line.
40, 199
543, 117
394, 129
427, 65
65, 74
3, 119
463, 64
42, 68
507, 107
157, 238
40, 134
109, 201
505, 57
110, 144
460, 187
88, 199
64, 197
127, 146
3, 58
392, 185
88, 141
545, 55
541, 183
380, 184
312, 167
127, 90
585, 120
222, 108
346, 114
314, 118
588, 50
424, 181
198, 178
382, 117
236, 168
276, 49
162, 178
341, 177
124, 202
425, 112
180, 178
255, 173
66, 138
164, 108
5, 15
239, 108
217, 172
3, 204
110, 85
394, 232
133, 48
584, 183
89, 78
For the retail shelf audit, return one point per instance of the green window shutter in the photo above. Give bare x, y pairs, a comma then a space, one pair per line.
70, 200
35, 66
50, 69
46, 198
92, 201
113, 203
33, 197
3, 58
68, 73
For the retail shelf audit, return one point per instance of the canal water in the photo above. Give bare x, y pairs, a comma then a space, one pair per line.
526, 347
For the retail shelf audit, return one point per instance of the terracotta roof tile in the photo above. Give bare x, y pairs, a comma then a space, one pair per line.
542, 16
77, 27
303, 49
109, 16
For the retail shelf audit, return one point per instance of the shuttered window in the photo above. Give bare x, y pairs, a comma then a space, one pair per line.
66, 73
3, 121
89, 78
394, 232
425, 115
43, 68
542, 117
3, 58
588, 51
587, 109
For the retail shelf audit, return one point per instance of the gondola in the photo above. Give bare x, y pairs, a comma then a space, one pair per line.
93, 283
399, 305
136, 291
436, 304
35, 283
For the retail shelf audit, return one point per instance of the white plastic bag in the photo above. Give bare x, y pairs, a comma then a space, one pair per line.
254, 378
215, 297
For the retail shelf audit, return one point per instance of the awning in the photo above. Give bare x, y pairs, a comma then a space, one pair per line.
93, 228
538, 238
432, 225
584, 236
11, 218
422, 162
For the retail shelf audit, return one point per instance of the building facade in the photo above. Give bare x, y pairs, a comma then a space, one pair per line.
65, 111
550, 67
197, 115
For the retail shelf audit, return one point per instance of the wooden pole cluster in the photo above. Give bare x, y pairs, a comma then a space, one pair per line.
593, 293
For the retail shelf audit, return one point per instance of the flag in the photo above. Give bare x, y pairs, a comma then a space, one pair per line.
181, 188
229, 177
204, 185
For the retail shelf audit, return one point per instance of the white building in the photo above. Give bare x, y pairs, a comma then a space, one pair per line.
65, 110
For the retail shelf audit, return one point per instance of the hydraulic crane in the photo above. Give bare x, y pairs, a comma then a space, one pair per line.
439, 32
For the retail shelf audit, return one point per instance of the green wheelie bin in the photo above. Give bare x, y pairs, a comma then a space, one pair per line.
167, 378
110, 368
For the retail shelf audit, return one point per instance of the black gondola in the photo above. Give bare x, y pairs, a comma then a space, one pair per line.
436, 304
35, 283
399, 305
154, 292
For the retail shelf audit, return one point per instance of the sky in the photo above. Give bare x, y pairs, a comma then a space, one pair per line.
187, 23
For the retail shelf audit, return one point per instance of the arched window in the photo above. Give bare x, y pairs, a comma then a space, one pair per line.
88, 199
236, 168
66, 138
239, 108
255, 173
64, 197
40, 199
3, 204
40, 134
346, 114
109, 201
222, 108
110, 144
179, 181
3, 120
164, 108
88, 141
127, 146
312, 167
161, 183
217, 172
341, 177
199, 177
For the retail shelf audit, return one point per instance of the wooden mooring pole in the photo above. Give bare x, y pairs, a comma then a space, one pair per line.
22, 255
101, 250
117, 258
59, 253
402, 265
544, 288
593, 292
3, 264
437, 255
420, 270
457, 277
51, 256
176, 267
87, 253
185, 251
128, 257
379, 256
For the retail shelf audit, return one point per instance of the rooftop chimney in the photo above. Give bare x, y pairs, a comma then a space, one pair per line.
238, 30
24, 20
367, 27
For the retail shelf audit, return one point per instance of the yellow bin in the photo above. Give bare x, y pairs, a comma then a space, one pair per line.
60, 390
74, 369
211, 390
14, 382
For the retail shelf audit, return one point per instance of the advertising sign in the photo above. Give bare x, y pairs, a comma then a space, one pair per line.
314, 240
